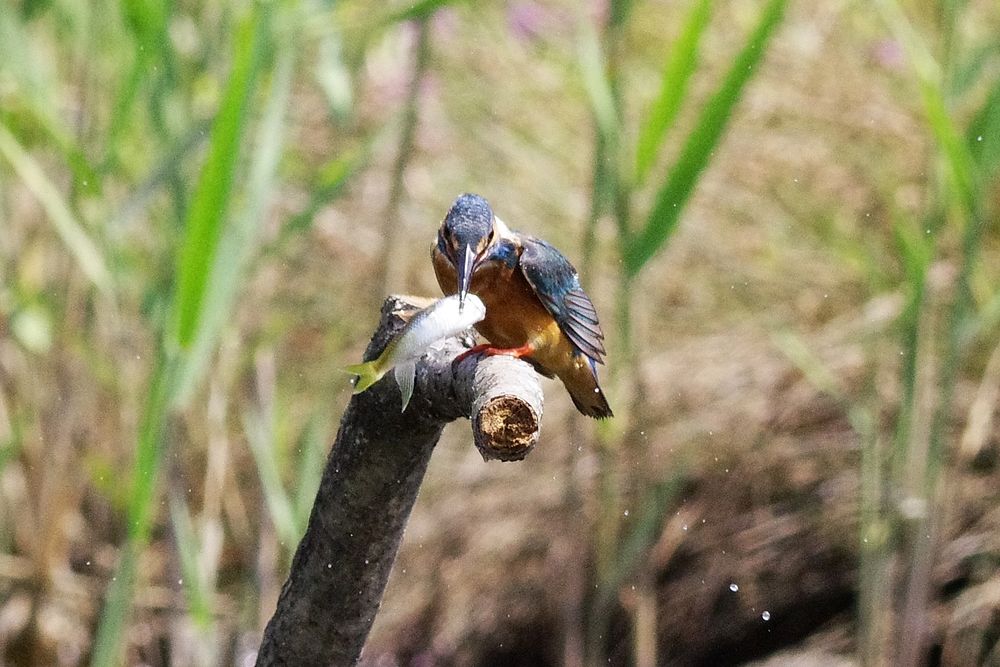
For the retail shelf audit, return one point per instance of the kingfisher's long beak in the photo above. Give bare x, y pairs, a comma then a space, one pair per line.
466, 263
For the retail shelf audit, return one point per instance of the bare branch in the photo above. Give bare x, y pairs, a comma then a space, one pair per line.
371, 480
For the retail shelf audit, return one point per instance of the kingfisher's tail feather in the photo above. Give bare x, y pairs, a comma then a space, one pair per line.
368, 374
593, 405
587, 395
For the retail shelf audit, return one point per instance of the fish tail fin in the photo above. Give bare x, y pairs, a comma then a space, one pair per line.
368, 374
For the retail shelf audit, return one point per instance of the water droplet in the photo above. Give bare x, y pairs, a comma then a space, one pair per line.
979, 138
766, 615
684, 527
329, 565
180, 581
626, 512
734, 587
366, 561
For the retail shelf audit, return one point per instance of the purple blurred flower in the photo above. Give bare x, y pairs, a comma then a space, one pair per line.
527, 20
888, 53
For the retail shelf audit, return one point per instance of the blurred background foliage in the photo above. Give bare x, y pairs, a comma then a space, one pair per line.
785, 212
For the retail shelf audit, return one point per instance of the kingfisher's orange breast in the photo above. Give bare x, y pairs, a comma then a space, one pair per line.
514, 315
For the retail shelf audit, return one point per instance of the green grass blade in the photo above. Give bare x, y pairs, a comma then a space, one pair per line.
195, 589
147, 22
966, 75
65, 223
312, 449
983, 137
279, 504
819, 376
700, 144
149, 453
815, 371
196, 254
677, 70
30, 102
635, 546
333, 75
117, 604
961, 167
618, 12
333, 177
417, 10
10, 446
239, 238
210, 202
916, 248
593, 70
916, 251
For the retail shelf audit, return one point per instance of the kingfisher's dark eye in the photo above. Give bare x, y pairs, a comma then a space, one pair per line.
489, 239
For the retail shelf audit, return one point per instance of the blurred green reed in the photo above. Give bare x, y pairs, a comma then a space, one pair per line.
944, 316
620, 174
941, 305
154, 121
200, 280
157, 121
218, 222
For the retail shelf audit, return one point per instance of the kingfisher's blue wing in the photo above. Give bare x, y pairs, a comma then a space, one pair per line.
557, 286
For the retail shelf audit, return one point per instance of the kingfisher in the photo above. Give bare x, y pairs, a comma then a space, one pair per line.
535, 307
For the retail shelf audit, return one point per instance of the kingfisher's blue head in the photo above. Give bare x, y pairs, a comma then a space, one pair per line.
466, 233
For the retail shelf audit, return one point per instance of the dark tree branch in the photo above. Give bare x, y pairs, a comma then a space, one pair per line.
371, 480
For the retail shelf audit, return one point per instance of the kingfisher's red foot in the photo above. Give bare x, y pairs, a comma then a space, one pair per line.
516, 352
488, 350
475, 349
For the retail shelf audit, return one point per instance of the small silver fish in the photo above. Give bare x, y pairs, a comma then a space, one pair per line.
443, 318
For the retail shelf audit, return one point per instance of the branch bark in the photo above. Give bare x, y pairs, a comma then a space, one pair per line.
372, 476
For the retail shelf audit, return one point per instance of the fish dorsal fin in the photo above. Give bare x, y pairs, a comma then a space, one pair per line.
404, 378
